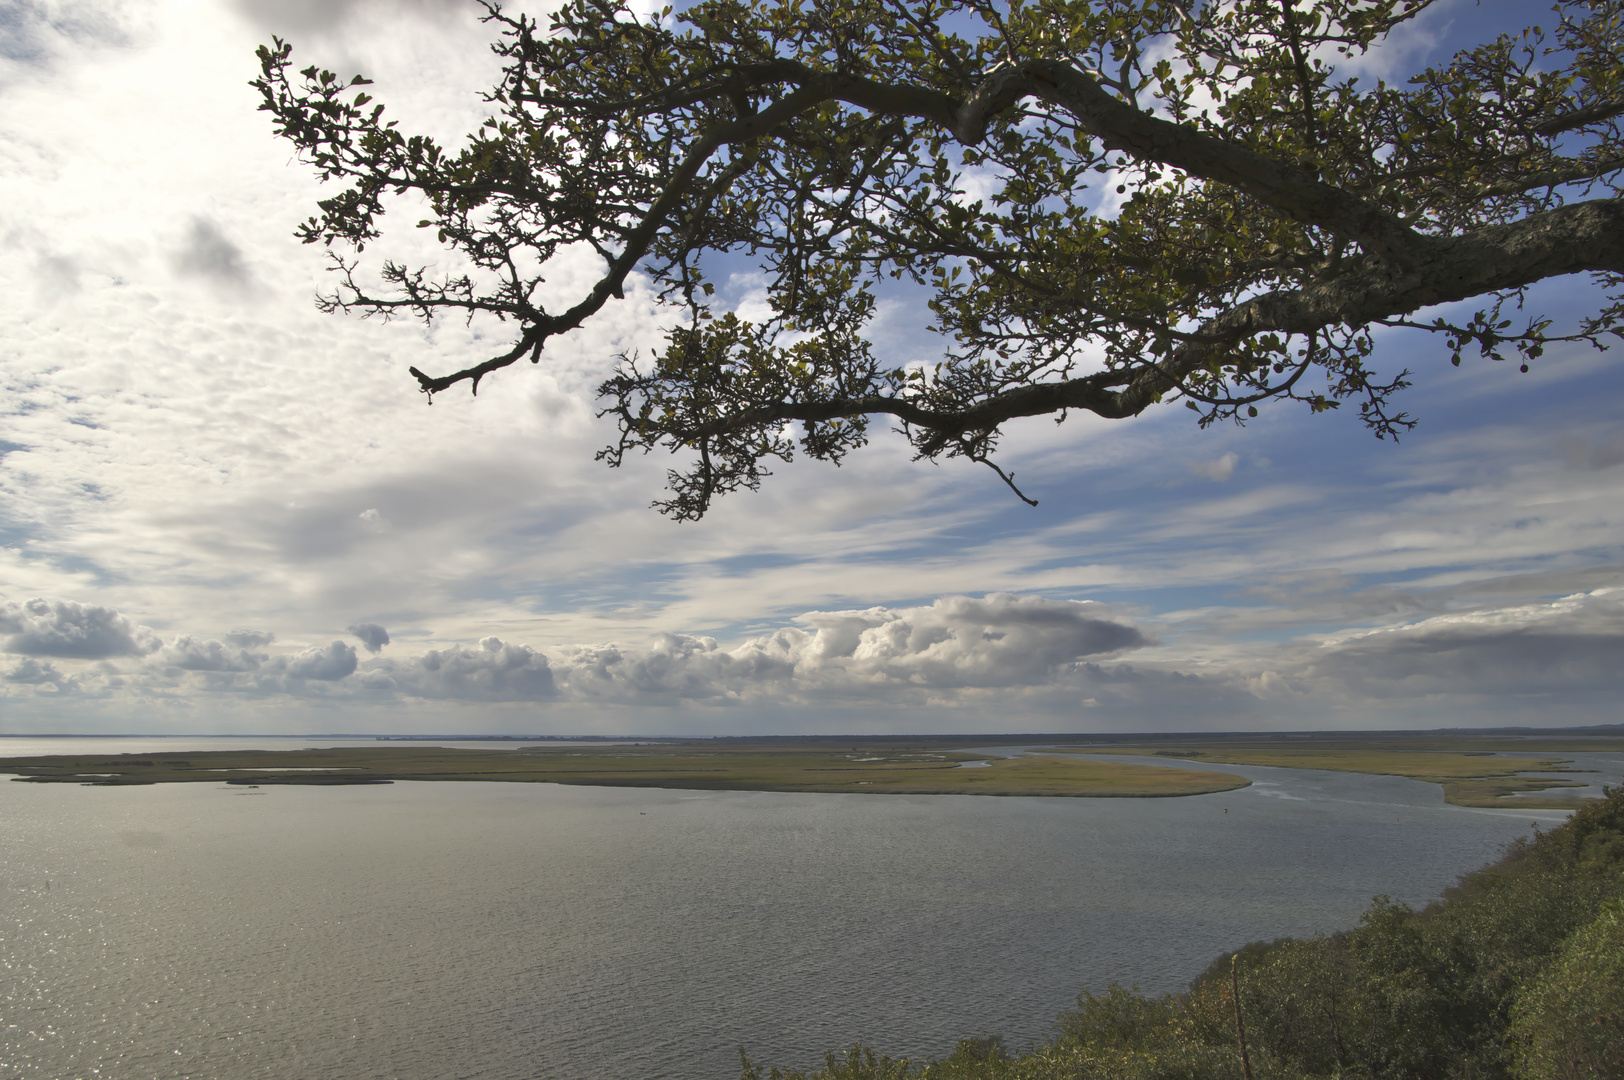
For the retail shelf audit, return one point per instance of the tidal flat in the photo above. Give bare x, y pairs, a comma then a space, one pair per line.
816, 768
1474, 770
1483, 771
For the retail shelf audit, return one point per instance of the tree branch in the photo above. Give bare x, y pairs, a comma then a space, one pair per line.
1601, 110
638, 240
1569, 239
1290, 189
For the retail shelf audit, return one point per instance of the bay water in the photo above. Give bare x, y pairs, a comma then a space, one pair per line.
428, 931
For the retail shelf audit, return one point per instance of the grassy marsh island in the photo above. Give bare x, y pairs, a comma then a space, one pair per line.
866, 770
1473, 769
1466, 767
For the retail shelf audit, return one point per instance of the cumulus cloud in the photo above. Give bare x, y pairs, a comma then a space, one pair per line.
64, 628
1001, 640
217, 666
1219, 469
56, 276
879, 654
324, 663
956, 643
1014, 655
320, 16
495, 671
192, 654
34, 32
207, 253
373, 521
680, 667
32, 672
373, 636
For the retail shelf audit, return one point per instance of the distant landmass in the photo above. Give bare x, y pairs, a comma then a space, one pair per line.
1473, 767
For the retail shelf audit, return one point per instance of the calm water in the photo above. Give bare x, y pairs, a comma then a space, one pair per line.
432, 931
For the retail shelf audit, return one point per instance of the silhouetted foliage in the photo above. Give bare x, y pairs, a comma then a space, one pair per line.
1111, 202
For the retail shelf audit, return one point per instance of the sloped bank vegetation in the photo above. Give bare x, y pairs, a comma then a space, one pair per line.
1518, 972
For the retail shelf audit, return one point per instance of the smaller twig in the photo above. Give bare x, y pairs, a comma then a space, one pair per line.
1007, 478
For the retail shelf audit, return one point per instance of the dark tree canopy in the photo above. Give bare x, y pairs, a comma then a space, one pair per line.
1268, 211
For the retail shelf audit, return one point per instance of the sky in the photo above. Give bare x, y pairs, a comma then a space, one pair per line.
222, 511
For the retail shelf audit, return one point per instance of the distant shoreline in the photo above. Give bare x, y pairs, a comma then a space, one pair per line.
916, 772
1474, 770
1612, 733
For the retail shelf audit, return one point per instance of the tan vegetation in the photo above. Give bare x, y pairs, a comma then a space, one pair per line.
1466, 768
732, 768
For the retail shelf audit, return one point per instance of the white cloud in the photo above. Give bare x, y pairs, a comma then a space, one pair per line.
325, 663
1056, 663
495, 671
308, 17
879, 654
64, 628
35, 673
208, 254
1601, 455
37, 33
675, 667
55, 276
1570, 647
1218, 469
191, 654
373, 636
375, 522
1000, 641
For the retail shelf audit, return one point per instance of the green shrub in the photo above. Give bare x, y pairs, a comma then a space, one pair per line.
1569, 1025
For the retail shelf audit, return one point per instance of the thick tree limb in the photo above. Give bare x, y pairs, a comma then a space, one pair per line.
1590, 114
1292, 190
1571, 239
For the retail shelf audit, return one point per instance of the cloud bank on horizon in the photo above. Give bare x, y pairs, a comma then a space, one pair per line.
221, 510
1042, 662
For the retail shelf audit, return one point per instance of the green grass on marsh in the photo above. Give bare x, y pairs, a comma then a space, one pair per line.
677, 766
